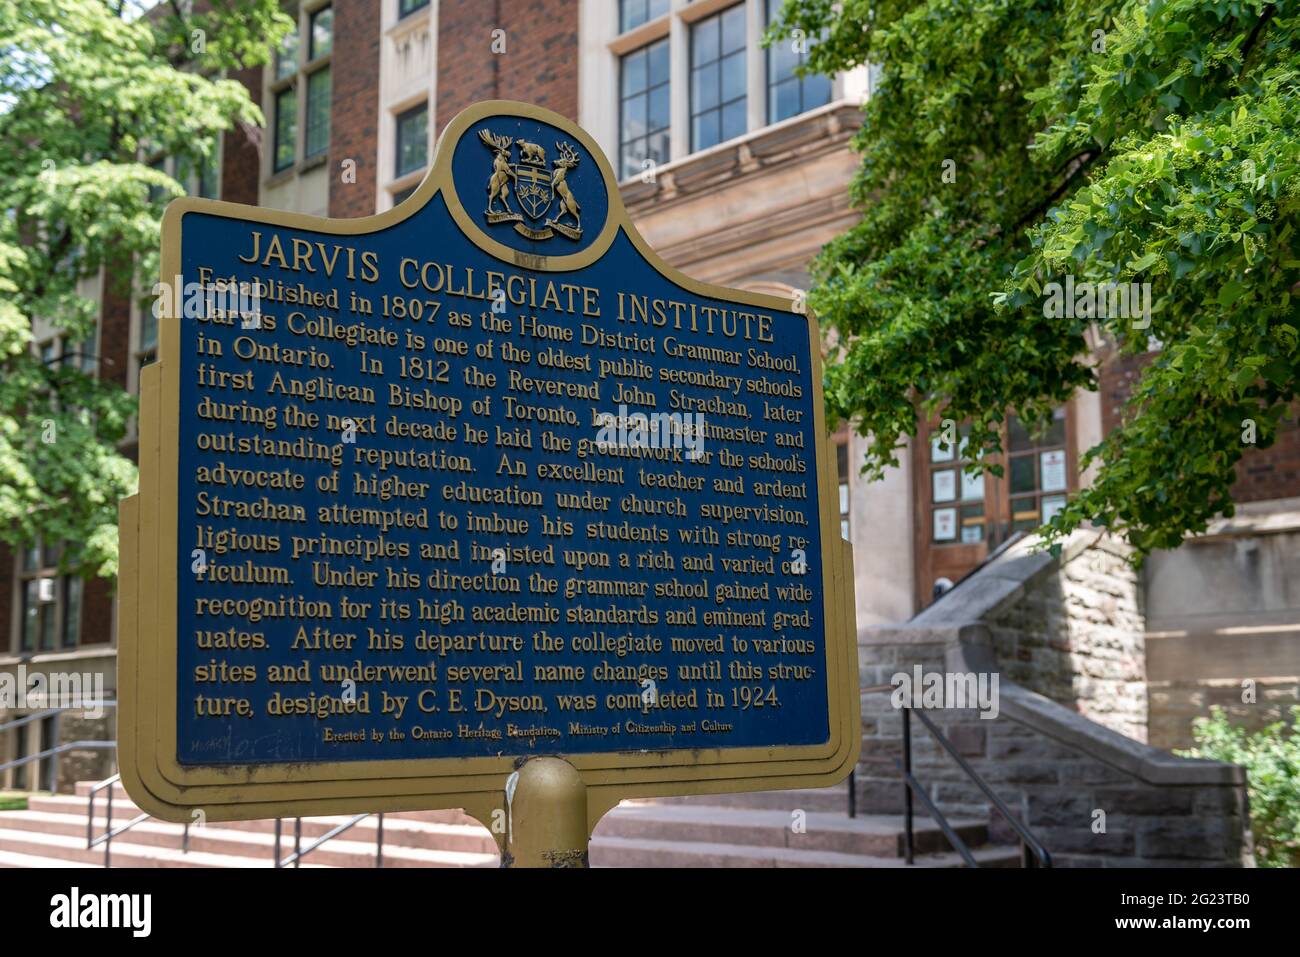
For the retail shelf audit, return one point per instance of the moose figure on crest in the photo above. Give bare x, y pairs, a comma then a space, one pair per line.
568, 204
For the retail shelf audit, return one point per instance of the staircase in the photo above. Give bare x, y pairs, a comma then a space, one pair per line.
726, 830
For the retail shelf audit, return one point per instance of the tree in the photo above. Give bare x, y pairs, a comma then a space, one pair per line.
1013, 144
89, 89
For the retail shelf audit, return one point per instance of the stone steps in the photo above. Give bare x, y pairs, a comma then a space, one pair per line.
764, 829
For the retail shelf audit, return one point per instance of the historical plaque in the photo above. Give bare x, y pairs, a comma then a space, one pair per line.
470, 481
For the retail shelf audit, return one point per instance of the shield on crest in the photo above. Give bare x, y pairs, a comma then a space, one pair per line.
533, 190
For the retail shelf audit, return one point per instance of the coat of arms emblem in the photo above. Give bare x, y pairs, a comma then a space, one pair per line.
536, 188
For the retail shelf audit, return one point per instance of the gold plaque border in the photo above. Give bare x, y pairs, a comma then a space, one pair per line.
147, 659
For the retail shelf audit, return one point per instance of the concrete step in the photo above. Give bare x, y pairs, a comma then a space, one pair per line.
632, 852
354, 848
873, 835
407, 843
833, 800
11, 859
125, 853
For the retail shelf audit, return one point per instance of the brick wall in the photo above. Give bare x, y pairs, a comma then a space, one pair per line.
241, 147
1262, 474
354, 112
539, 65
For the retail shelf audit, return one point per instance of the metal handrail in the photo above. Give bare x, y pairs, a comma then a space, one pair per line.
299, 852
1033, 853
110, 832
58, 749
1027, 838
58, 709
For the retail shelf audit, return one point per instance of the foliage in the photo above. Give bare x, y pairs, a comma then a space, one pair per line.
1126, 141
90, 90
1271, 757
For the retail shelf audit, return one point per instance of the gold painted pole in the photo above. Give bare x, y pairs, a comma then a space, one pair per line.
548, 817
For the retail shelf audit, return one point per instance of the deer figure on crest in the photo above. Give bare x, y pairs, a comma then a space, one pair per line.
567, 160
502, 171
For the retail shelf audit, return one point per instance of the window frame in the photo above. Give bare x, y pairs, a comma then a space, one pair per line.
769, 86
649, 88
308, 64
54, 614
399, 174
723, 55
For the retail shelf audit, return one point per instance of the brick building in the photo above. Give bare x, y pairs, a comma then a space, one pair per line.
736, 170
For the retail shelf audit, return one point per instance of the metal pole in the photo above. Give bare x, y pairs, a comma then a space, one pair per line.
907, 785
547, 820
297, 841
853, 793
379, 842
108, 839
278, 827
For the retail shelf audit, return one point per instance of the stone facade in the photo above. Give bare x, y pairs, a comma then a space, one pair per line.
1092, 795
1075, 635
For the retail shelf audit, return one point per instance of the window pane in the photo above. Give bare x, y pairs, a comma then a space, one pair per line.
1051, 505
704, 41
634, 116
318, 112
209, 184
31, 614
733, 29
72, 610
972, 524
47, 626
322, 33
658, 114
410, 6
402, 195
704, 88
634, 72
148, 330
972, 487
733, 119
733, 77
286, 58
943, 485
633, 13
658, 67
789, 94
945, 524
412, 139
1024, 514
816, 91
705, 130
286, 128
1022, 474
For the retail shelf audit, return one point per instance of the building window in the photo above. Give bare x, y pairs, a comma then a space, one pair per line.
201, 178
644, 109
789, 94
718, 80
402, 195
412, 140
286, 129
841, 440
633, 13
1038, 478
407, 7
51, 603
956, 497
321, 39
302, 82
318, 112
146, 350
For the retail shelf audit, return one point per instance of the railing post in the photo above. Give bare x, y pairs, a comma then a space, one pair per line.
108, 840
297, 841
278, 826
907, 787
853, 793
185, 839
379, 842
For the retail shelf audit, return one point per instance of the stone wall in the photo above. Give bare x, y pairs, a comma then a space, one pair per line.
1075, 635
86, 764
1092, 795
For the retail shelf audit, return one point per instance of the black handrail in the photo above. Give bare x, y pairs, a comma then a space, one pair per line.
1033, 854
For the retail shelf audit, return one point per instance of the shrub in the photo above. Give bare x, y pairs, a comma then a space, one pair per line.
1271, 757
